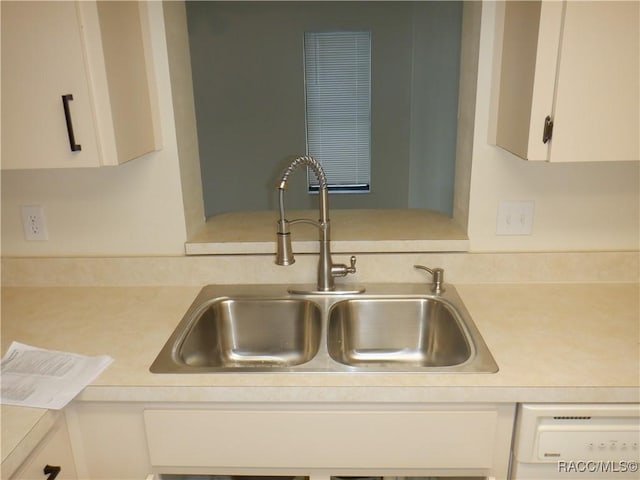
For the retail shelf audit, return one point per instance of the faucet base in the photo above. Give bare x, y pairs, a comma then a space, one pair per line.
313, 290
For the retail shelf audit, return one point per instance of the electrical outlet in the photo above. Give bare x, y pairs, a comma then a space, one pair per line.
33, 223
515, 218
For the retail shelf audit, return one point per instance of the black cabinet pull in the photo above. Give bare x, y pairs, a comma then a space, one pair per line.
51, 471
547, 132
67, 116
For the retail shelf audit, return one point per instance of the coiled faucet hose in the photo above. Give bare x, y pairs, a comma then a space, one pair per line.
309, 162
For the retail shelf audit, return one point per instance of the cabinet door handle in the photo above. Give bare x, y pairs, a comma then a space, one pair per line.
51, 471
547, 132
67, 116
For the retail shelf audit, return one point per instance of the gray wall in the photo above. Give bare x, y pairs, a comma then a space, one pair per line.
248, 79
434, 107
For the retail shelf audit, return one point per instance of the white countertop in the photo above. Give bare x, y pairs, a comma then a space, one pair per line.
552, 343
578, 339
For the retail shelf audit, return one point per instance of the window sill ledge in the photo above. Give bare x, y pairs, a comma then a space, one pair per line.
352, 231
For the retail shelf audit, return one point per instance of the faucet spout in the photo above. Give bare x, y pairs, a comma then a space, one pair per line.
284, 252
327, 270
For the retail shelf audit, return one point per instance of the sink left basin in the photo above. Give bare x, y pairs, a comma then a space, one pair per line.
243, 334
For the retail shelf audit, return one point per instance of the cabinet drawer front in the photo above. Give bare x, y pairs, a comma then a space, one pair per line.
319, 439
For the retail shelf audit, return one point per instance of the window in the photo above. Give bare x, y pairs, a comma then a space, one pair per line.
337, 72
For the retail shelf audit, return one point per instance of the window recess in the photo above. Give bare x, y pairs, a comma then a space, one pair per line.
337, 72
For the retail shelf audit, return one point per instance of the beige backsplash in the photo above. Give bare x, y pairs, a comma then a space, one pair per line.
461, 268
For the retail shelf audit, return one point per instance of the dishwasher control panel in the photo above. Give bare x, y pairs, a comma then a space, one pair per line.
554, 432
583, 441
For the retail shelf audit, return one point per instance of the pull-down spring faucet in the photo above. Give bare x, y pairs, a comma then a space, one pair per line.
327, 270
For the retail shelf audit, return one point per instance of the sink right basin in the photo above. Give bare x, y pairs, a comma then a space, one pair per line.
409, 332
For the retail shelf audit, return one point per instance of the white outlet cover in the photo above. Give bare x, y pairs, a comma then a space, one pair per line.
33, 222
515, 217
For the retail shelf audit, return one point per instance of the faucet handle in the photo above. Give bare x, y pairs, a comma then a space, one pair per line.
341, 270
352, 268
438, 277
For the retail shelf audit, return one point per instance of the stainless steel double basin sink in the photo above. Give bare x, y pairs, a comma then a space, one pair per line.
262, 328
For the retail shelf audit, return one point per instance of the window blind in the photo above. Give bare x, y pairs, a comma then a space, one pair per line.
338, 113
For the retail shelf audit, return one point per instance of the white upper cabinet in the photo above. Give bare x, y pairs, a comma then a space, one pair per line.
77, 84
569, 71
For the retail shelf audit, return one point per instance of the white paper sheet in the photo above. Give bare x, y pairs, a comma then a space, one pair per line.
34, 377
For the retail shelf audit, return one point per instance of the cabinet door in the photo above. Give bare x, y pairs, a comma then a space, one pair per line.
597, 105
527, 42
42, 60
54, 451
108, 440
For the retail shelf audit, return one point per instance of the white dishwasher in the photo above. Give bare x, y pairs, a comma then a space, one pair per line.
576, 441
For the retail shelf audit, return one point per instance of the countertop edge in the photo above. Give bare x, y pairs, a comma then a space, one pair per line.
360, 394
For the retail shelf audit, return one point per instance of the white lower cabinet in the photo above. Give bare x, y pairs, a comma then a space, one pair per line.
52, 457
108, 440
319, 441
